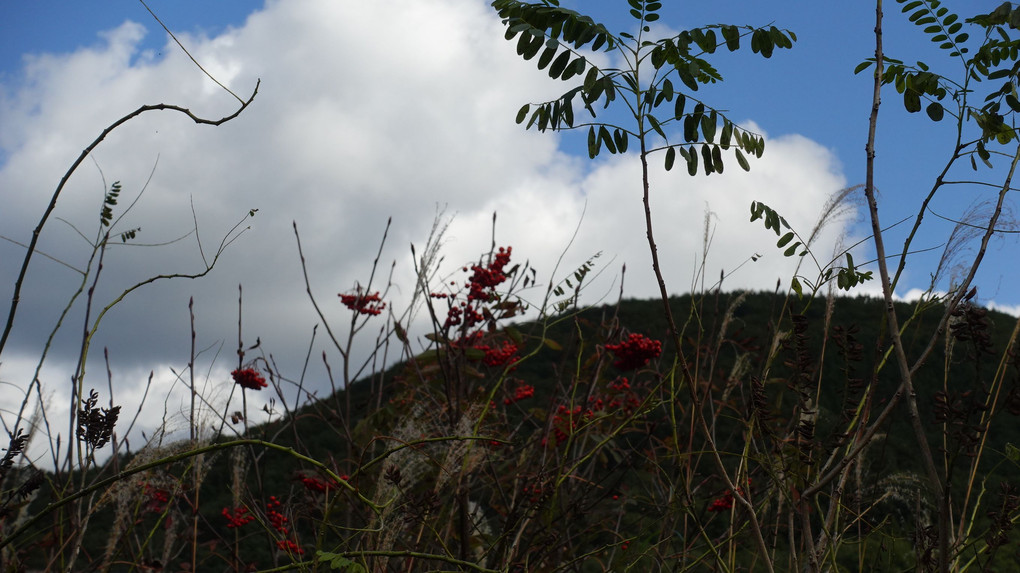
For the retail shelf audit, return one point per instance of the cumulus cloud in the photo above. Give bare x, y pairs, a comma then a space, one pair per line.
352, 125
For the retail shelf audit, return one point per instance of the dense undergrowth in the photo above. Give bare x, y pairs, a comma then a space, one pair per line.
577, 469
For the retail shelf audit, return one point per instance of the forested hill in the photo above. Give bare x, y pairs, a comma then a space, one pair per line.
727, 340
567, 429
847, 345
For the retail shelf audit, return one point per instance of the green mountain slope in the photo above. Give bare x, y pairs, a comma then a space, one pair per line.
572, 454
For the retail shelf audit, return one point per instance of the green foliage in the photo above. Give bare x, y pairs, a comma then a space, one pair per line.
631, 456
939, 23
996, 58
655, 99
106, 215
778, 224
579, 275
846, 277
339, 562
1012, 453
129, 234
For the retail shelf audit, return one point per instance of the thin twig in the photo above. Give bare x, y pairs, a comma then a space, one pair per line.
906, 375
185, 50
16, 297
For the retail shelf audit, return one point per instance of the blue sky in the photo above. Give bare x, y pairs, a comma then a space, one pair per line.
405, 109
55, 26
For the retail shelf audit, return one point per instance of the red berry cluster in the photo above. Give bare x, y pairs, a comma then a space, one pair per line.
523, 391
280, 522
499, 356
635, 352
566, 420
621, 384
725, 503
620, 398
484, 279
363, 303
290, 546
156, 498
315, 484
462, 314
237, 517
249, 378
481, 287
533, 491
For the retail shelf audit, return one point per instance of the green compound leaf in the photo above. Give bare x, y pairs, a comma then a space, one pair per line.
559, 65
706, 156
1012, 102
708, 126
607, 139
339, 562
523, 113
546, 57
795, 285
590, 78
785, 239
655, 125
690, 129
620, 138
742, 161
727, 134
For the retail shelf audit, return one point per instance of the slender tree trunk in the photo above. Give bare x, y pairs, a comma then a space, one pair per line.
906, 376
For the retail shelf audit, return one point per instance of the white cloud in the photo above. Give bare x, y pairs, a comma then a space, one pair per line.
796, 177
1013, 309
353, 124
